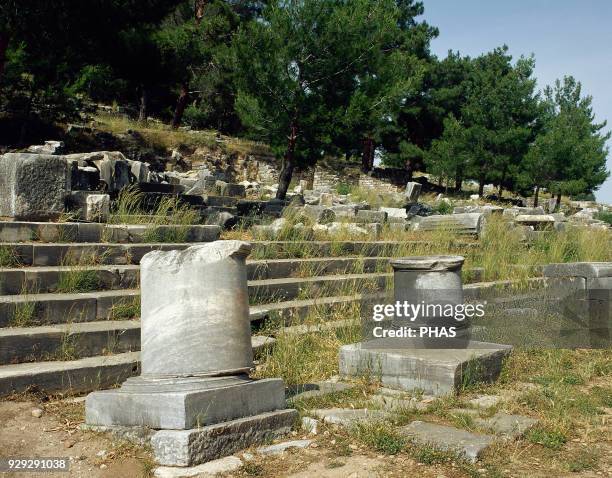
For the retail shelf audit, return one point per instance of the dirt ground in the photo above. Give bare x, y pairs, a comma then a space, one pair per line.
92, 455
56, 433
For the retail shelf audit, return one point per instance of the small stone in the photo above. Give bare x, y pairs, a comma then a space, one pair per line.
103, 466
281, 447
101, 453
485, 401
353, 447
37, 412
211, 468
248, 456
69, 443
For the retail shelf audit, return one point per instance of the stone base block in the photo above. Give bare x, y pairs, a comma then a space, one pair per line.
190, 447
183, 404
200, 445
433, 371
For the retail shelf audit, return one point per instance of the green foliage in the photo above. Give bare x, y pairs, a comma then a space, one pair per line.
605, 216
381, 436
552, 439
8, 257
569, 157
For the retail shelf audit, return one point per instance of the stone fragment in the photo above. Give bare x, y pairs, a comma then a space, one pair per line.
37, 412
326, 200
398, 403
97, 207
212, 468
468, 223
364, 216
503, 425
348, 416
413, 190
319, 214
485, 401
33, 187
50, 147
466, 444
396, 212
515, 211
279, 448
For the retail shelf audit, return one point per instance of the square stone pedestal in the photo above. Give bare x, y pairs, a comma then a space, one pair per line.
432, 371
181, 404
191, 420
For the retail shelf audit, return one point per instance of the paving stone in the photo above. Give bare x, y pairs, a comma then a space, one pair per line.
485, 401
212, 468
348, 416
502, 424
279, 448
398, 403
469, 445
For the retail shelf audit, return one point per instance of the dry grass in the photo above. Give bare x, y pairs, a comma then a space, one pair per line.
161, 136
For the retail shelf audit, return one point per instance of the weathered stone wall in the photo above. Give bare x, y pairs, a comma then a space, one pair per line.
388, 180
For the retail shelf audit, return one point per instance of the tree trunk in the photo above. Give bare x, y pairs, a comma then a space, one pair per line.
536, 196
458, 180
501, 190
558, 205
4, 41
409, 168
199, 11
367, 156
286, 172
142, 112
481, 185
181, 104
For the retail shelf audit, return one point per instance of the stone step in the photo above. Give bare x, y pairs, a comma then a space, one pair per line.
65, 341
46, 278
81, 375
77, 340
48, 308
227, 201
74, 376
47, 254
39, 254
49, 232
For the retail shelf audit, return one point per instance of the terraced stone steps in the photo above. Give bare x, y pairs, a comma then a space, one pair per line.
83, 232
55, 254
91, 373
45, 279
81, 375
54, 308
53, 342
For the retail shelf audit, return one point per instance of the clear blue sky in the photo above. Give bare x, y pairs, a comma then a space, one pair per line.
567, 37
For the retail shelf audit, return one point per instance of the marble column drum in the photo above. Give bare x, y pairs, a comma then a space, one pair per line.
432, 280
195, 346
195, 310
